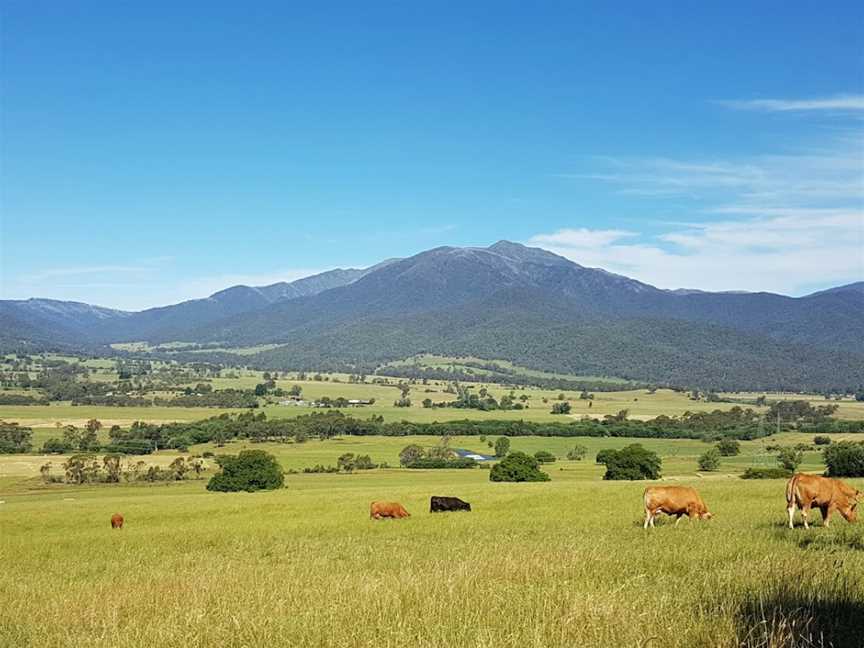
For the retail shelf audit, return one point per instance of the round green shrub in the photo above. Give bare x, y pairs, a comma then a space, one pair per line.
517, 467
250, 471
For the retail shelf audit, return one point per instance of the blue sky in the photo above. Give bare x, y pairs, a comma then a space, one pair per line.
153, 152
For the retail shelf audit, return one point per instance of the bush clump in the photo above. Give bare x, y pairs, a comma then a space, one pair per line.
728, 447
441, 462
766, 473
604, 455
710, 460
544, 456
790, 458
632, 462
517, 467
250, 471
844, 459
577, 452
131, 446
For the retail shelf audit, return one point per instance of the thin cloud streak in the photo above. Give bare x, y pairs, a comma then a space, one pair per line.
837, 103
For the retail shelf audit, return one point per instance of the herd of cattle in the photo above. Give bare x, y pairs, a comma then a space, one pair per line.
802, 491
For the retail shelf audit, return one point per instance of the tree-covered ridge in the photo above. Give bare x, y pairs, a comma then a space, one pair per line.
507, 301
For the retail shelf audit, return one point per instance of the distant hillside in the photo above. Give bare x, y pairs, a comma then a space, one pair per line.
526, 305
84, 325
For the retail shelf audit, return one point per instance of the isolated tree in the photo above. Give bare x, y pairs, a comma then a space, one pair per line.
45, 472
620, 417
113, 467
442, 450
710, 460
561, 407
296, 390
790, 458
81, 468
72, 436
250, 471
728, 447
364, 462
93, 425
502, 446
633, 462
197, 466
822, 440
179, 468
411, 453
517, 467
577, 453
427, 403
89, 439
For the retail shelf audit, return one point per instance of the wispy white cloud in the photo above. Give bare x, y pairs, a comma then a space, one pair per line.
837, 103
581, 237
834, 172
780, 222
778, 253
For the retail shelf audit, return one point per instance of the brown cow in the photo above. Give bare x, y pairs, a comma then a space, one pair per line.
380, 510
116, 521
674, 500
825, 493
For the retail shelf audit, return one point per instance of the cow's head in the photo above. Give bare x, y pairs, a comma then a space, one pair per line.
848, 511
706, 515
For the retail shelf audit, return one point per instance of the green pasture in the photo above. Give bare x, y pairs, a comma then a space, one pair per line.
561, 563
459, 363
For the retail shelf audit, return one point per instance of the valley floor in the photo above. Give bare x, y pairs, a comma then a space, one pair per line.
560, 563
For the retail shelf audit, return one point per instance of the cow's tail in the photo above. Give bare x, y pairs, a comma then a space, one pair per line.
791, 488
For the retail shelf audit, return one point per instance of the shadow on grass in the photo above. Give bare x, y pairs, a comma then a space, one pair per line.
848, 537
817, 538
792, 615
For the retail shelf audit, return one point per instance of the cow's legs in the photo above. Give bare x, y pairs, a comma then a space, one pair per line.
791, 511
805, 511
826, 515
677, 519
647, 518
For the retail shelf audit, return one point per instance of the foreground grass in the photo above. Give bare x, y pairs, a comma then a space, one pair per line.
563, 563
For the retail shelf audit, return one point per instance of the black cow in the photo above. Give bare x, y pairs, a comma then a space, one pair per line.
438, 504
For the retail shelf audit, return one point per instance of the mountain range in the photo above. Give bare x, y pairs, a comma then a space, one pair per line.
507, 301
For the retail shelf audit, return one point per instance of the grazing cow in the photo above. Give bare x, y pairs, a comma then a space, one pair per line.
438, 504
825, 493
116, 521
380, 510
674, 500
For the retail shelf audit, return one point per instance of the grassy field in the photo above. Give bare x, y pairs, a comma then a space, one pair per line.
465, 364
562, 563
639, 403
